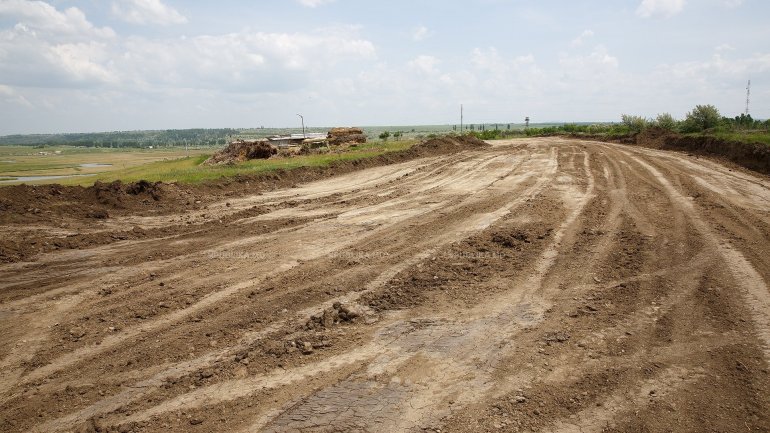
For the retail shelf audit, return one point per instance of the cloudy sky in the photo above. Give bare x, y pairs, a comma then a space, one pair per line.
105, 65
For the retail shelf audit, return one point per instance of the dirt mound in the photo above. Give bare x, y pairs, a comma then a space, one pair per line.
654, 138
39, 201
241, 150
116, 193
339, 136
450, 144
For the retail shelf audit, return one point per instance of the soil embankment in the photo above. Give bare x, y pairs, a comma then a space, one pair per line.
754, 156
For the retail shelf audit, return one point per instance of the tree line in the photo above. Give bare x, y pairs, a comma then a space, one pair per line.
135, 139
701, 119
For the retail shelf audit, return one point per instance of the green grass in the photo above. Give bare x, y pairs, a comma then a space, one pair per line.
17, 161
192, 169
745, 137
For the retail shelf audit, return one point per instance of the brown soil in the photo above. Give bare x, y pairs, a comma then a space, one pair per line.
240, 150
543, 285
25, 206
754, 156
340, 136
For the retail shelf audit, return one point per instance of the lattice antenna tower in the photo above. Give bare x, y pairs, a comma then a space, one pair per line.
748, 96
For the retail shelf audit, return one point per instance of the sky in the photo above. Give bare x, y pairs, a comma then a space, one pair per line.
116, 65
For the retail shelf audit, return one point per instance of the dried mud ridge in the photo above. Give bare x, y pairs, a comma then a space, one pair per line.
547, 286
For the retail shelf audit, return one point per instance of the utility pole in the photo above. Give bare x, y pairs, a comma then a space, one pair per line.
748, 95
303, 125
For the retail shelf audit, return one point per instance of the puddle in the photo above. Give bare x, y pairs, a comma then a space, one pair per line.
95, 165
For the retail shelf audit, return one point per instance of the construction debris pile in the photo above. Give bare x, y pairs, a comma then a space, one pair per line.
243, 150
289, 145
339, 136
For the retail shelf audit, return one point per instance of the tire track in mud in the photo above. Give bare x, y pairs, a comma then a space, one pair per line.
751, 283
307, 249
455, 355
601, 349
46, 372
626, 242
465, 228
318, 196
206, 396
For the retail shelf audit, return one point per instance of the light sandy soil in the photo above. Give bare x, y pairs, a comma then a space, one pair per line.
542, 285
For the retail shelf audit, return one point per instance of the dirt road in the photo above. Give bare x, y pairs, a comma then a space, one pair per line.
544, 285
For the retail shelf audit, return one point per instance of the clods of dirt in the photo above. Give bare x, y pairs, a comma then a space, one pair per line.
338, 313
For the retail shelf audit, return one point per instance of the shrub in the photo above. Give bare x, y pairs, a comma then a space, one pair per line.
635, 124
489, 134
701, 118
384, 136
665, 121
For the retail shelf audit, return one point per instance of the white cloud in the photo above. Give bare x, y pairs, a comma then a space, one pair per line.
58, 71
508, 76
243, 61
724, 47
314, 3
425, 64
660, 8
487, 59
594, 67
421, 33
490, 60
144, 12
40, 16
83, 61
578, 41
719, 66
9, 95
32, 61
51, 48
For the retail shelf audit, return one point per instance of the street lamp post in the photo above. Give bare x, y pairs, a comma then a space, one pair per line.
303, 125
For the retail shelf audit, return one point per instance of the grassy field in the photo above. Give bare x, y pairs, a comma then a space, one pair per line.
167, 165
25, 161
745, 136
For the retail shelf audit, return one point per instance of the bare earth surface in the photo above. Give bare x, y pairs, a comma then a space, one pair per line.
543, 285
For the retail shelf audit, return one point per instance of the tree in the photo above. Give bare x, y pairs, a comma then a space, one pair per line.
665, 121
634, 124
384, 136
701, 118
397, 135
744, 121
